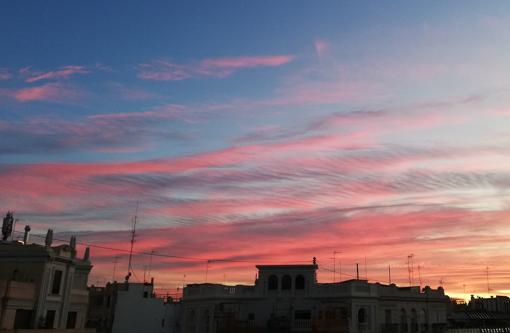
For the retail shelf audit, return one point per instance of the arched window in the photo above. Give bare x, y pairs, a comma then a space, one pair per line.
414, 321
286, 282
362, 316
272, 283
300, 282
403, 321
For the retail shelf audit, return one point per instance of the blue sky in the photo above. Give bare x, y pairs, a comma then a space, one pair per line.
263, 122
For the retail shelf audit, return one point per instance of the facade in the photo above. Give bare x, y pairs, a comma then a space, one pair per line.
42, 286
288, 298
130, 308
481, 313
499, 304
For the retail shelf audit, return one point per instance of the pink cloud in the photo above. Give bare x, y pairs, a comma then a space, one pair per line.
133, 94
4, 74
164, 70
384, 238
62, 73
47, 92
322, 48
247, 62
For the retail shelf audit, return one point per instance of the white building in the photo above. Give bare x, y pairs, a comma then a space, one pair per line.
130, 308
288, 298
42, 286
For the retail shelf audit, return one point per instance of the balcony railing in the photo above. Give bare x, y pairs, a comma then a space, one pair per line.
389, 328
302, 323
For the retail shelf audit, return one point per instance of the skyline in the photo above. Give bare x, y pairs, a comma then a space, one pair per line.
263, 132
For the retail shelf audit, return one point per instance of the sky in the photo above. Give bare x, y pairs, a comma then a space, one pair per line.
263, 132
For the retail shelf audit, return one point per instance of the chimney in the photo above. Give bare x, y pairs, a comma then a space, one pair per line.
72, 244
49, 238
27, 233
86, 256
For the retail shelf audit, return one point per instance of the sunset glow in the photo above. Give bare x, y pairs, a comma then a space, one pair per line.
263, 132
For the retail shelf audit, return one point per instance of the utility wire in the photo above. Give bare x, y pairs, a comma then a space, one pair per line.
158, 254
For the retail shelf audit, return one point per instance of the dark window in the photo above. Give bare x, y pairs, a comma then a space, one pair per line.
251, 316
403, 321
57, 280
22, 318
163, 322
387, 315
300, 282
145, 294
71, 319
286, 282
272, 283
50, 319
362, 316
99, 300
330, 314
302, 314
108, 301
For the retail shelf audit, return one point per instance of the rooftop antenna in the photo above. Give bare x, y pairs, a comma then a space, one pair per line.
366, 274
410, 268
488, 285
133, 233
207, 269
389, 274
357, 271
334, 265
340, 273
114, 267
419, 275
14, 228
150, 262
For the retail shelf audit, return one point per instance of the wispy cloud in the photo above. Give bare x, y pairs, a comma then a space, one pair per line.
50, 92
61, 73
127, 132
5, 74
166, 70
322, 48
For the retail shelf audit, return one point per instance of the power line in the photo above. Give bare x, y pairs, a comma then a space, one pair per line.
92, 245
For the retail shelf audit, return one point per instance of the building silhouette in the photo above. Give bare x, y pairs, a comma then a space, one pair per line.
288, 298
42, 286
130, 308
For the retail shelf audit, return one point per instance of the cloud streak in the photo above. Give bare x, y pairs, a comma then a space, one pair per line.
48, 92
166, 70
62, 73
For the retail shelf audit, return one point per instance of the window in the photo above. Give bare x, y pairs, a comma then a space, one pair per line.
272, 283
286, 282
387, 315
362, 316
302, 314
251, 316
71, 319
22, 318
163, 322
57, 280
403, 321
145, 294
50, 319
300, 282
